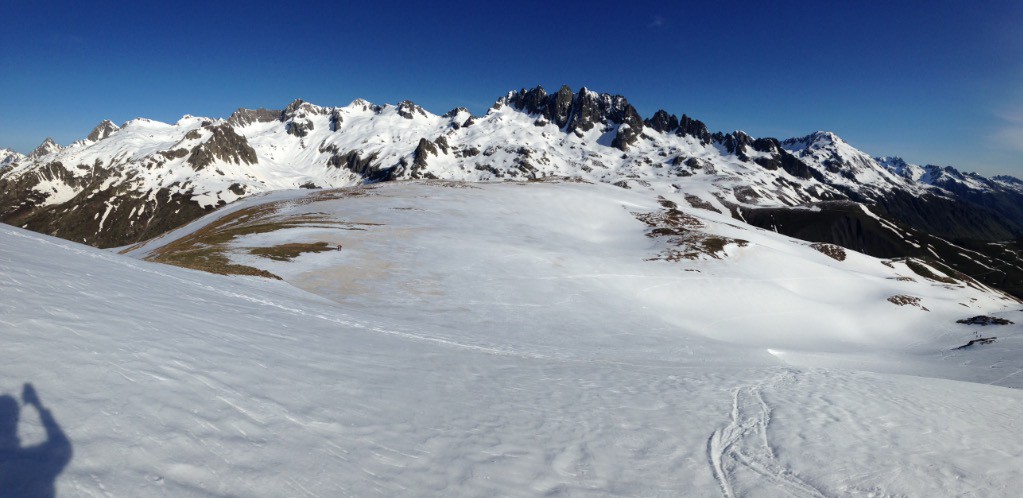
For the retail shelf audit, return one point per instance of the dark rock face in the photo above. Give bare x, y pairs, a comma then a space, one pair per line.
243, 117
102, 130
689, 127
169, 210
292, 109
560, 107
663, 122
736, 143
581, 112
630, 129
335, 119
299, 128
226, 145
19, 199
296, 118
364, 167
782, 159
985, 320
419, 157
408, 110
442, 143
104, 214
174, 154
686, 126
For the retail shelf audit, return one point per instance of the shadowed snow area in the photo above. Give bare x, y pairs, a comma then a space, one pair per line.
506, 339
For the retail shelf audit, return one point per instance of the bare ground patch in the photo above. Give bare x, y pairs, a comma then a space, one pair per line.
832, 251
681, 232
288, 252
904, 300
699, 203
208, 248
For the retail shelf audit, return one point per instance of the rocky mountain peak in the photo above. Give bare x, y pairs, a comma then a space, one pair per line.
1009, 182
363, 105
225, 145
243, 117
47, 147
294, 106
892, 162
299, 109
580, 112
900, 167
815, 140
567, 132
102, 130
664, 122
8, 156
455, 112
408, 110
296, 117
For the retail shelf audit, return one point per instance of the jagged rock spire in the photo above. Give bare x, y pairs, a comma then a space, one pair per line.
581, 111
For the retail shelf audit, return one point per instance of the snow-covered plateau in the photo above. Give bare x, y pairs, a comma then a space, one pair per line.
439, 338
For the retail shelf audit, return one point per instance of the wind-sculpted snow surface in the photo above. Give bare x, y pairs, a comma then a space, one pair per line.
455, 350
741, 455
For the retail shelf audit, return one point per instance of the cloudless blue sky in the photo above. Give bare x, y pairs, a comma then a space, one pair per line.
933, 81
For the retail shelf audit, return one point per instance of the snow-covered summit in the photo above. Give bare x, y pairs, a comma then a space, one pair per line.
1009, 182
8, 156
843, 164
947, 178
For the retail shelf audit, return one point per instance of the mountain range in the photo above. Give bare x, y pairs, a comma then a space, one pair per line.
125, 184
558, 297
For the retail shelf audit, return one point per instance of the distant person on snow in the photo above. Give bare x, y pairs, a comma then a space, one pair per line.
31, 471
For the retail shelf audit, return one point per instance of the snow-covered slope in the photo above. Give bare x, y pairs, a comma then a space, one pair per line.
129, 183
7, 157
503, 339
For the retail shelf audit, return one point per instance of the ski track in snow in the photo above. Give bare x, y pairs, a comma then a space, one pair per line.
740, 454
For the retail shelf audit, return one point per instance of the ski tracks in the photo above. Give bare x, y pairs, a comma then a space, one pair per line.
740, 456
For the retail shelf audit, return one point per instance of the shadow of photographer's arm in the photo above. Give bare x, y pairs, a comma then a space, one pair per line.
57, 444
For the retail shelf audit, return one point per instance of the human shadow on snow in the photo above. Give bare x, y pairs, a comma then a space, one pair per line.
30, 471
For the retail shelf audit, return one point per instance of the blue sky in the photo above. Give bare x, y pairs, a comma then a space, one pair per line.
935, 82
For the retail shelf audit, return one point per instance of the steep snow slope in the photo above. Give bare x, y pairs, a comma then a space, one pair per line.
464, 351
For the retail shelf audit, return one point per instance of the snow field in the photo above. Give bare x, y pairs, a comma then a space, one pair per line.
505, 340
